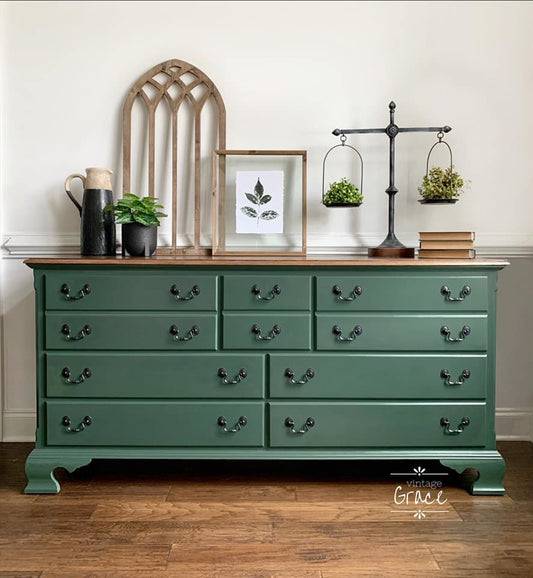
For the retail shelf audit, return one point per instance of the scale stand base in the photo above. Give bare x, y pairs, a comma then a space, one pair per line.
391, 248
392, 252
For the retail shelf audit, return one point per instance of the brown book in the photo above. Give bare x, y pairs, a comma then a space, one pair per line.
446, 253
447, 235
446, 244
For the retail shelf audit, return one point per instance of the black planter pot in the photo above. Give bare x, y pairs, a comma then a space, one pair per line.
139, 240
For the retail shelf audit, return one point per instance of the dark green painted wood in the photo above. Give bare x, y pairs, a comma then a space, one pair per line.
295, 331
380, 376
386, 332
130, 330
400, 293
150, 423
153, 375
157, 392
377, 424
130, 290
40, 470
491, 472
295, 292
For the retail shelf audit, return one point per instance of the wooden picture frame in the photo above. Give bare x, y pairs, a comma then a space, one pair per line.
260, 202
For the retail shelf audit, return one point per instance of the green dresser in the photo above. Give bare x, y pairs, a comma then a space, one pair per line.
215, 358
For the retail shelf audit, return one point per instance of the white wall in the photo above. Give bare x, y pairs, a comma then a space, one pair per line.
289, 73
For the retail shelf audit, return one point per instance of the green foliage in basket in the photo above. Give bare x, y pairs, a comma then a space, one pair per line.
442, 184
342, 192
133, 209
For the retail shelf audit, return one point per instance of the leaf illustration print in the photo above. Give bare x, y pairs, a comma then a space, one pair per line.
258, 198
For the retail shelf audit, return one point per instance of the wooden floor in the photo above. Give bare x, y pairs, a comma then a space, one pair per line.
261, 519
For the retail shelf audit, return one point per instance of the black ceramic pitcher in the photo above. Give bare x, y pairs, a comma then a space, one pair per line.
97, 233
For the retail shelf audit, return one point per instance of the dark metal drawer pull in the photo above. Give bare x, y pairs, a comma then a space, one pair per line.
445, 423
223, 422
85, 290
86, 422
65, 330
465, 292
354, 333
222, 373
446, 331
309, 374
445, 374
85, 374
276, 290
175, 332
357, 290
275, 331
309, 423
194, 292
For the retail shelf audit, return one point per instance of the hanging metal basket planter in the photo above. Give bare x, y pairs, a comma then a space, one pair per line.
343, 187
437, 176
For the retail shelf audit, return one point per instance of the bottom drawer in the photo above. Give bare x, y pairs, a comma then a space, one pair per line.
145, 423
376, 424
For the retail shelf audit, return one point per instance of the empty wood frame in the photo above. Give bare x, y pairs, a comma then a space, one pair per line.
181, 86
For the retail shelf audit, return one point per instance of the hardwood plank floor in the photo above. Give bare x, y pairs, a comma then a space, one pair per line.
256, 519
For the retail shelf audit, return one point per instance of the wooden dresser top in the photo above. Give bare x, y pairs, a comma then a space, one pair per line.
308, 261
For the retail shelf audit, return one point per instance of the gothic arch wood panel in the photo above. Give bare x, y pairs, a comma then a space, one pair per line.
175, 83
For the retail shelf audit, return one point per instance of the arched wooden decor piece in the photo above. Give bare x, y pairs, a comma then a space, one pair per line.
183, 78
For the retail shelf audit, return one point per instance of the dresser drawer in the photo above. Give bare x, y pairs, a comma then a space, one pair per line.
402, 376
402, 293
266, 331
386, 332
379, 424
267, 292
88, 290
90, 330
148, 423
152, 375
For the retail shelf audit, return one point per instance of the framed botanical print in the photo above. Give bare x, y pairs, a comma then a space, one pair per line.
259, 202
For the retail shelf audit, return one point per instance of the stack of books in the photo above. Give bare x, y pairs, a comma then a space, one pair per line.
446, 245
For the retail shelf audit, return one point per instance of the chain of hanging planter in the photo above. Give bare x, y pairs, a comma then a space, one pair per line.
342, 193
438, 186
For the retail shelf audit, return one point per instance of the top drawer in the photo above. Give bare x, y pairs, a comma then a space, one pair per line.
402, 293
264, 292
89, 290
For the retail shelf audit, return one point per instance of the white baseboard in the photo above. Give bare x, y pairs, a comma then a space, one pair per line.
514, 424
19, 426
511, 425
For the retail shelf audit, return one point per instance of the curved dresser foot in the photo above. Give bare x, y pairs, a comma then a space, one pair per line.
491, 472
40, 468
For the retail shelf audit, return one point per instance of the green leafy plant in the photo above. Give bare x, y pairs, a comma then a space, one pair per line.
133, 209
258, 198
343, 192
442, 184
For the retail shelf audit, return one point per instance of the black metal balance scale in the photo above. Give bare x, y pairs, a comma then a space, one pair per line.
391, 247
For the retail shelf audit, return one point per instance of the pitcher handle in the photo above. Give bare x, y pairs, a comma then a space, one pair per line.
68, 180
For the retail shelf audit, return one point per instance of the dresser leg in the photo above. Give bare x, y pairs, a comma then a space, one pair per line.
491, 472
40, 471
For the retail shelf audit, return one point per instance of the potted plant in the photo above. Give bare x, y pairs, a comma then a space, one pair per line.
342, 193
139, 219
442, 186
